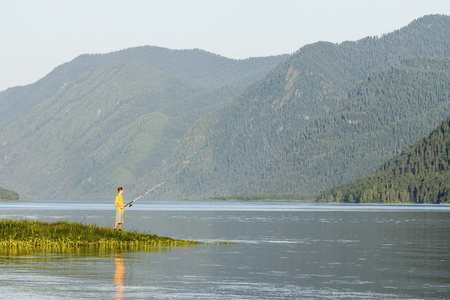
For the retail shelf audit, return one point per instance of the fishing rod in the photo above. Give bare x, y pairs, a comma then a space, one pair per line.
130, 204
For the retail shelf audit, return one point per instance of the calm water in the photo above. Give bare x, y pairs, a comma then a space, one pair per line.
286, 251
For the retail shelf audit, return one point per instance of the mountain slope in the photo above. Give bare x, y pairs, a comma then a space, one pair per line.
242, 148
381, 116
50, 146
198, 67
420, 174
8, 195
129, 153
106, 113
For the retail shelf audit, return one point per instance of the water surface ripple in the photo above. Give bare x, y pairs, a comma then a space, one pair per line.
283, 251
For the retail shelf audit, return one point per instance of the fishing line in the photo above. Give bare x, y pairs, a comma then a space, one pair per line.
130, 204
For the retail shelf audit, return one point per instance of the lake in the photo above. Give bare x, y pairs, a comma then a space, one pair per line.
283, 250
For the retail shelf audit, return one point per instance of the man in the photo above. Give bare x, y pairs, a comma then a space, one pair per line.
120, 209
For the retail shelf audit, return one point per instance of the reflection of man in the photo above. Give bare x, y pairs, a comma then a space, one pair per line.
120, 209
118, 276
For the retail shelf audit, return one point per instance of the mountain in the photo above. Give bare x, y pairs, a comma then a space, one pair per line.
381, 116
8, 195
198, 67
279, 135
420, 174
105, 120
211, 126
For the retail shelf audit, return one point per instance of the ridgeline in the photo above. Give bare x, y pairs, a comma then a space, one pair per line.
103, 121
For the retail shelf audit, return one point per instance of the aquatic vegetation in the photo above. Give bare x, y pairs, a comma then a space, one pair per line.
64, 235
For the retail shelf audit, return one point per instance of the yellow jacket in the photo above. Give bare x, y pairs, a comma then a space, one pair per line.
119, 202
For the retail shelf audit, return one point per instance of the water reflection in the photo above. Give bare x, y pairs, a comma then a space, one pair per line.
118, 275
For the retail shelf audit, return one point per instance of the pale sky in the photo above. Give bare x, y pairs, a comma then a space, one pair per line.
39, 35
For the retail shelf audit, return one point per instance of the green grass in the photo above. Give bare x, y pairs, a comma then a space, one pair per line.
64, 235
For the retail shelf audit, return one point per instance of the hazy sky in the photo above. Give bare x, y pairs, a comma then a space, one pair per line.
37, 36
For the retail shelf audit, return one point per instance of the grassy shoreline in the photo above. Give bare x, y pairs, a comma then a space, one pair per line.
64, 235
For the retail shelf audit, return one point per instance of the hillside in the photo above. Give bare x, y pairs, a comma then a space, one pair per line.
198, 67
8, 195
102, 121
381, 116
270, 139
211, 126
420, 174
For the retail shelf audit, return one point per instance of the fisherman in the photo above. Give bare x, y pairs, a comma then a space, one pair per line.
120, 209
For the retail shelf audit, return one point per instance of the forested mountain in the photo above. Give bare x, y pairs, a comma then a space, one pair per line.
300, 129
420, 174
105, 120
198, 67
8, 195
325, 115
381, 116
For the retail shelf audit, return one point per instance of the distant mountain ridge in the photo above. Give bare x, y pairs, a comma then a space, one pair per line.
211, 126
102, 120
195, 66
256, 143
420, 174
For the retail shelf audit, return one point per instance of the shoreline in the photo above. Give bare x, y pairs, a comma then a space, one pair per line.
61, 235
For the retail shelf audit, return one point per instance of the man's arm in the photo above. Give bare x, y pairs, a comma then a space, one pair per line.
117, 204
